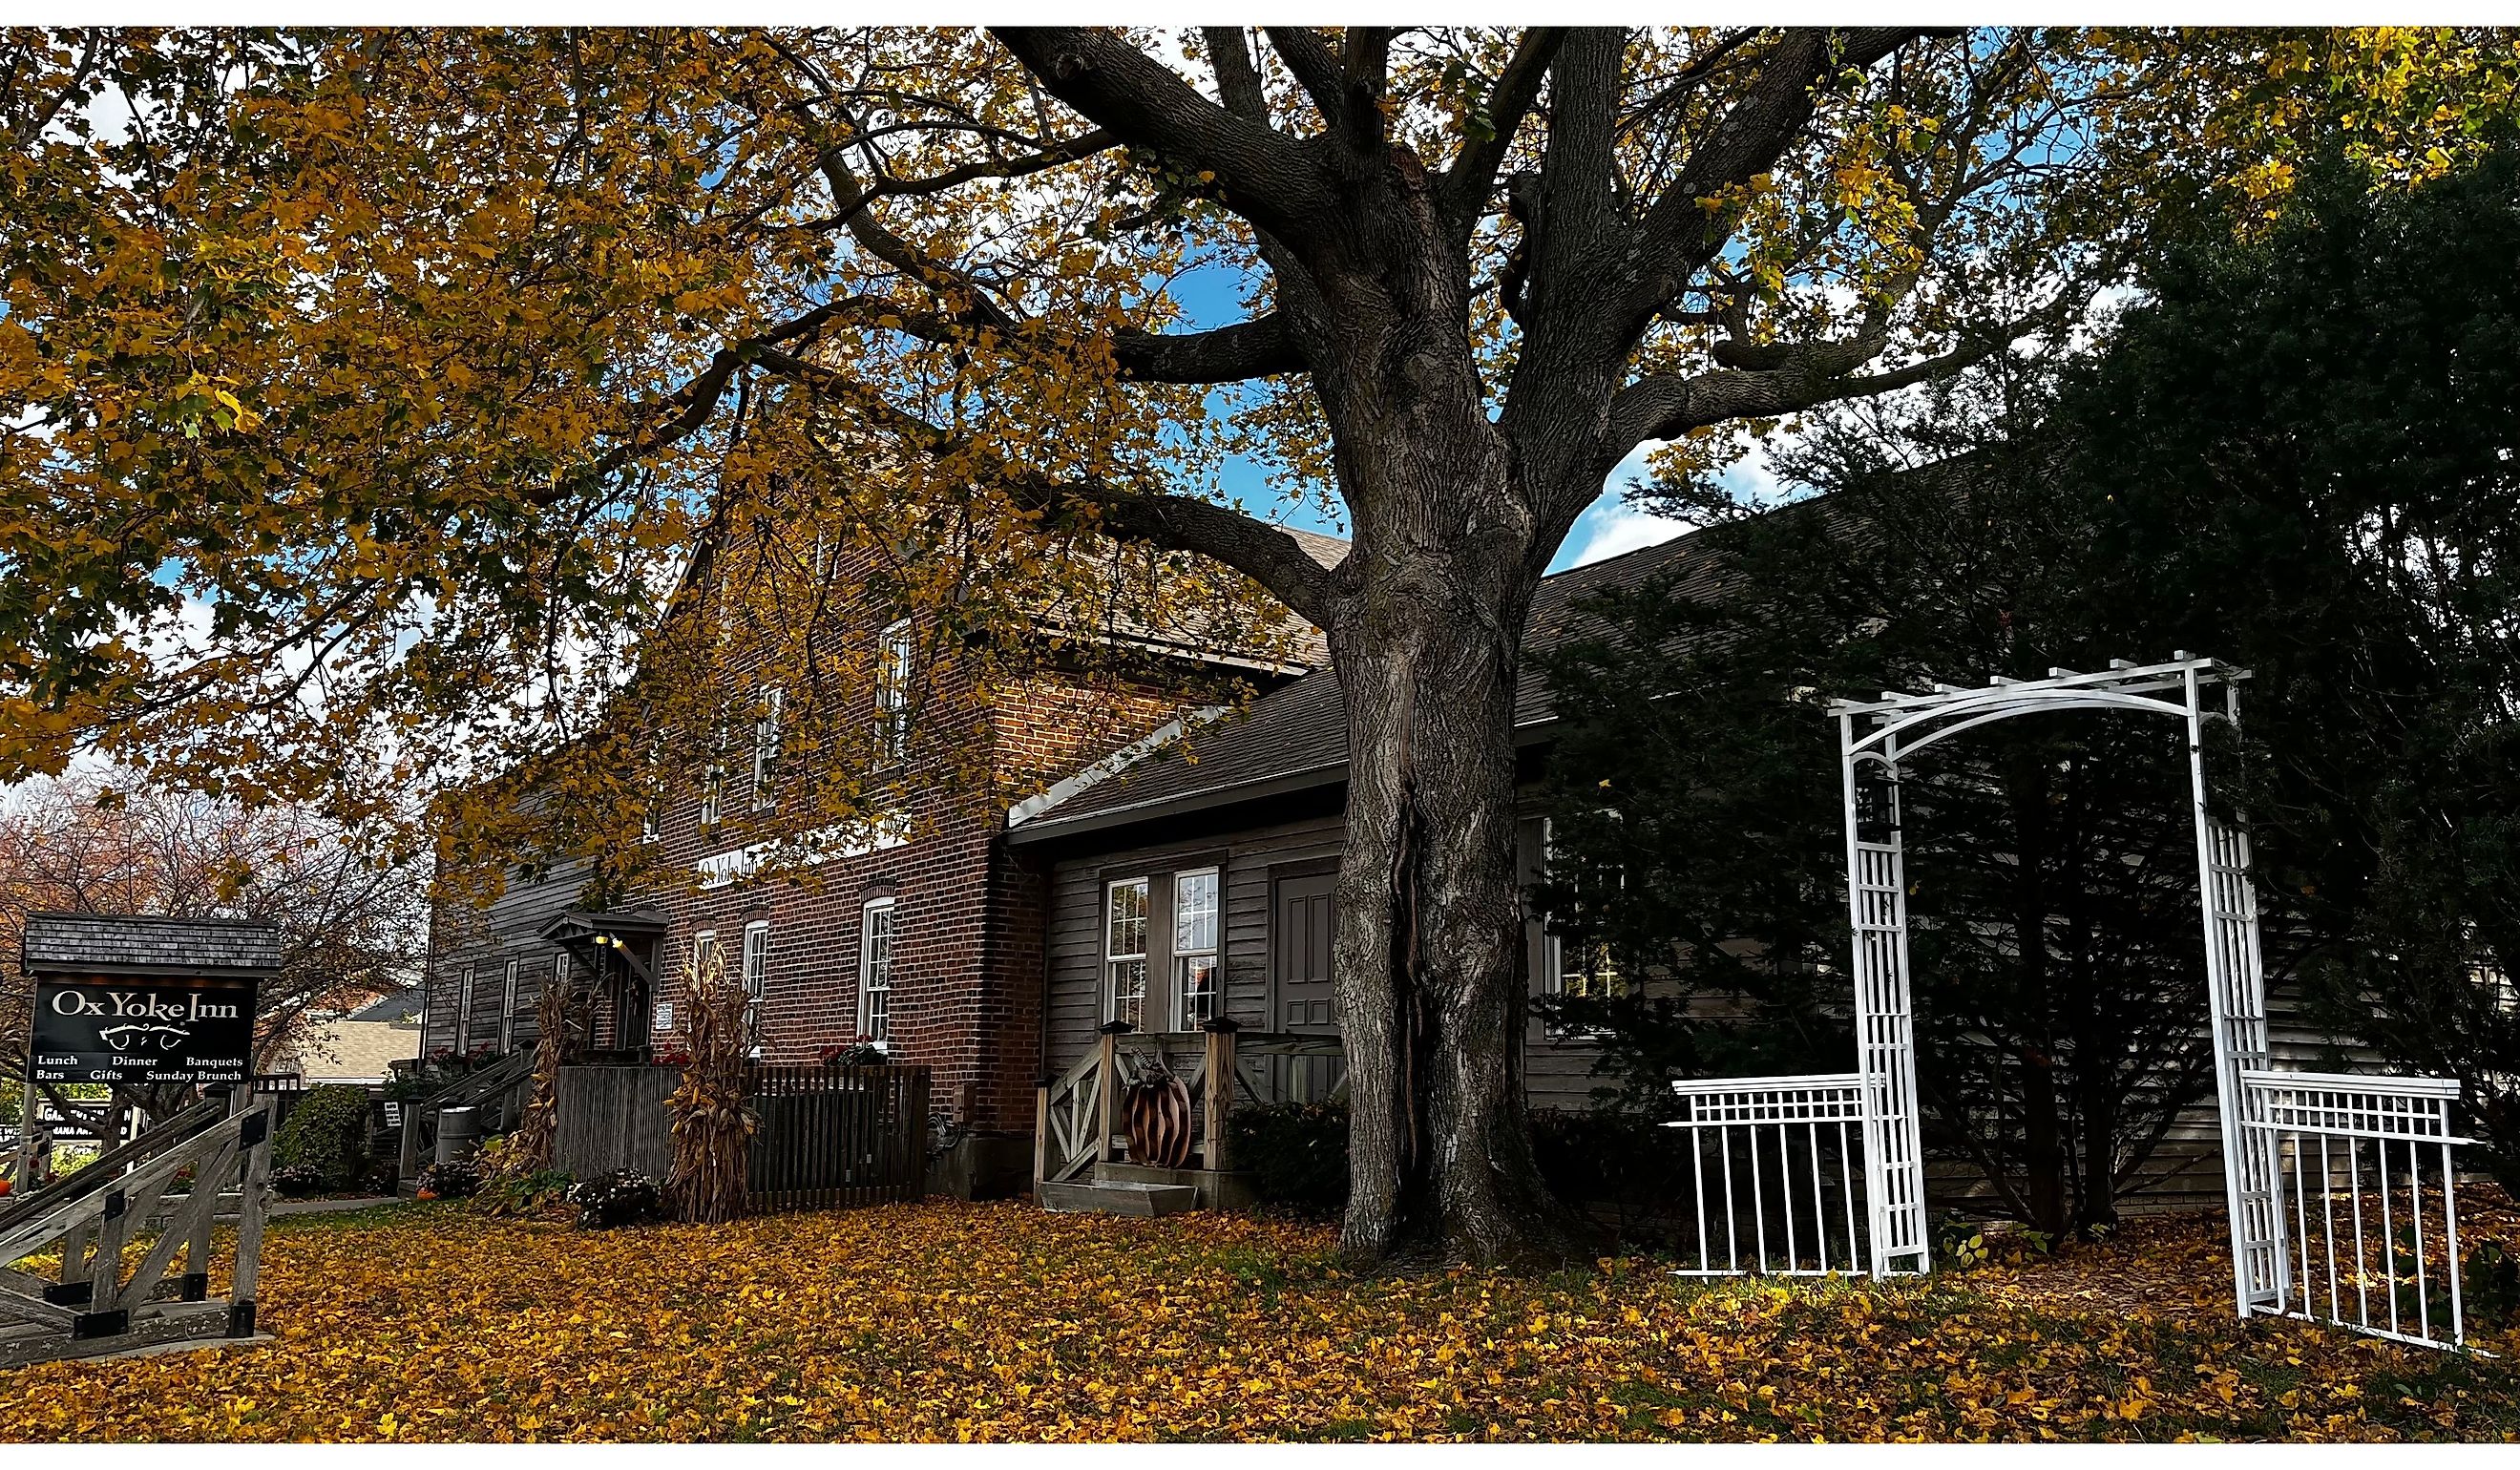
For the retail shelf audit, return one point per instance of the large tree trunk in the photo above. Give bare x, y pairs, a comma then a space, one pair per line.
1430, 987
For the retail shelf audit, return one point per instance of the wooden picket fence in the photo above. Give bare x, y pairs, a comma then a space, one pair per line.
836, 1136
828, 1136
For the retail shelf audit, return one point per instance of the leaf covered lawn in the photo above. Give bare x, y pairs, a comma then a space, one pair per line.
946, 1321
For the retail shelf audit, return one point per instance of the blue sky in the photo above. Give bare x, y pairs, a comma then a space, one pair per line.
1212, 296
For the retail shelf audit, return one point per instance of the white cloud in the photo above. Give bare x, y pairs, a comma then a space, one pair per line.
1612, 527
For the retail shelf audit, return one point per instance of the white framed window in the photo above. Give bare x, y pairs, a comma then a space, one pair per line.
895, 650
703, 950
713, 783
1124, 950
1574, 963
765, 750
874, 971
1195, 929
756, 979
463, 1010
651, 815
508, 1008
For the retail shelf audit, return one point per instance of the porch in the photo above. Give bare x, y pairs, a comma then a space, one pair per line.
1138, 1125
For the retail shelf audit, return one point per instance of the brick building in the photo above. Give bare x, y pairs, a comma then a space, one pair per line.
921, 932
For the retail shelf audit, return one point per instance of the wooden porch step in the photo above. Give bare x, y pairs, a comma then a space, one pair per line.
1116, 1197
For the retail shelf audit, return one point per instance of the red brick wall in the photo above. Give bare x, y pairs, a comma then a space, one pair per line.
967, 966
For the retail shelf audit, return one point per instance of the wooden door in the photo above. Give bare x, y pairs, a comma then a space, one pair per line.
1299, 954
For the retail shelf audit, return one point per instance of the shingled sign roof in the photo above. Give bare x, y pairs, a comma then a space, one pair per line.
130, 944
1294, 737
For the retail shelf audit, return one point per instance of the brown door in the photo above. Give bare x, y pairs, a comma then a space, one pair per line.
1299, 954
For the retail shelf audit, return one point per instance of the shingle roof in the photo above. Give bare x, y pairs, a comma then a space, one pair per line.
1296, 736
133, 944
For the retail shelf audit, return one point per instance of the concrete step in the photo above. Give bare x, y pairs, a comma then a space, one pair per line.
1117, 1198
1216, 1190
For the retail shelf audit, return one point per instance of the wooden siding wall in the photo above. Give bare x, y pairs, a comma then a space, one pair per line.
486, 939
1558, 1071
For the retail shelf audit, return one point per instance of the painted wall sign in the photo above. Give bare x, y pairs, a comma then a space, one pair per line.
137, 1032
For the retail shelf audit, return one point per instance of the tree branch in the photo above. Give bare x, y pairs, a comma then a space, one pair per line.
1261, 174
1667, 405
1257, 348
1259, 551
1473, 174
1679, 233
1068, 152
1310, 58
1237, 80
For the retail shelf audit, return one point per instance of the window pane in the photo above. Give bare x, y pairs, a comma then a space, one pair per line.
1195, 978
1194, 911
1128, 925
1129, 991
875, 973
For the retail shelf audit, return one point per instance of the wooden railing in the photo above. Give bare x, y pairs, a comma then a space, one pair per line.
1079, 1117
496, 1089
64, 1291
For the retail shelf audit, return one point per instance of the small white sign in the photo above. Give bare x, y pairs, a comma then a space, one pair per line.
663, 1020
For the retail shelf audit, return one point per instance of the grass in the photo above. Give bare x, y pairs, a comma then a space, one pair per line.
951, 1322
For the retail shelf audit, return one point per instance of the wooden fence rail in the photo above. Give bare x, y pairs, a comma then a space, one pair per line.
70, 1286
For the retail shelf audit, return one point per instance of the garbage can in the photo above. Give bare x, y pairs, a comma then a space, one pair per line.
459, 1132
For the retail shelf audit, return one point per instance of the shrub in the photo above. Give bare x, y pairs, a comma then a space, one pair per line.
528, 1193
452, 1179
298, 1181
1296, 1152
328, 1132
623, 1198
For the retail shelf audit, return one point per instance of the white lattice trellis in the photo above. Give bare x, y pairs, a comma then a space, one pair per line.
2272, 1122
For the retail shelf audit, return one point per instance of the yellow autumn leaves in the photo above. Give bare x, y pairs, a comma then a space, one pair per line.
950, 1321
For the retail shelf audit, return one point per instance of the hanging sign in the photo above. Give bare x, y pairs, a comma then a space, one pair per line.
137, 1032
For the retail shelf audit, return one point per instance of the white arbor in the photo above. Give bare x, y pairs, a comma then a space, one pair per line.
2298, 1147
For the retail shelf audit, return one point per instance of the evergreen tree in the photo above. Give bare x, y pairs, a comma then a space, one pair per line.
2296, 453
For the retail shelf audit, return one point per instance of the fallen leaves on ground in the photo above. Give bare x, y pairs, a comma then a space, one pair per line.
995, 1322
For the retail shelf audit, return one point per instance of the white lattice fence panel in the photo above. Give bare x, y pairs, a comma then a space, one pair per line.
1776, 1172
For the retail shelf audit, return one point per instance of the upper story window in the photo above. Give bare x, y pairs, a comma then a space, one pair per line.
1194, 928
1124, 950
874, 971
651, 815
894, 652
713, 783
765, 750
756, 980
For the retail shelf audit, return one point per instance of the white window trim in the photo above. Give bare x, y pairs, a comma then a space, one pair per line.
896, 656
765, 748
867, 975
756, 984
1214, 948
1146, 901
463, 1010
508, 1008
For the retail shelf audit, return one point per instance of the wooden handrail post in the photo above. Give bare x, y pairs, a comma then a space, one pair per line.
1106, 1076
1219, 1092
